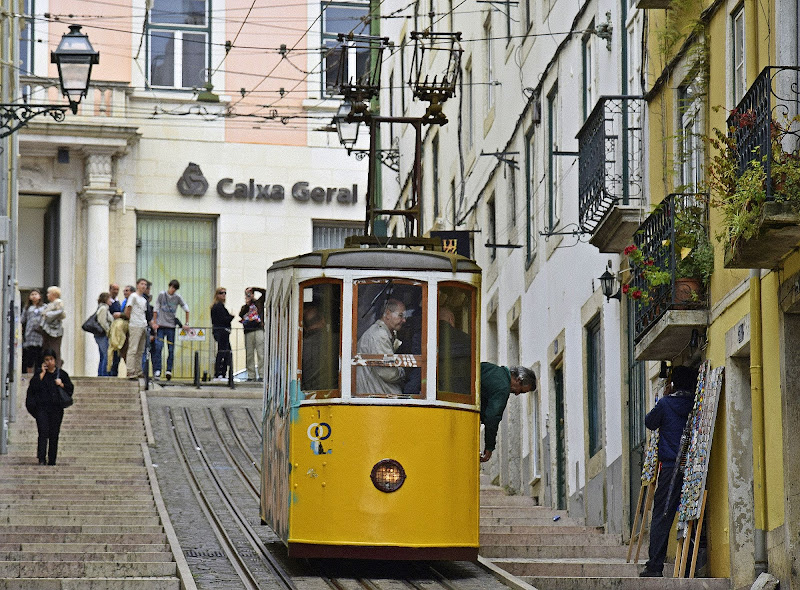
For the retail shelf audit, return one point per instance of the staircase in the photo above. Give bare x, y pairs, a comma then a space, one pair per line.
90, 521
551, 551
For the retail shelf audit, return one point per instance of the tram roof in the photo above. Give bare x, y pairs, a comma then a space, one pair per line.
380, 258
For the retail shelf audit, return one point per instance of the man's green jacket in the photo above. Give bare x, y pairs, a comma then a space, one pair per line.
495, 389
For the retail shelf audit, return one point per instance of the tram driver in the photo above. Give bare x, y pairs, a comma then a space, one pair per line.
381, 338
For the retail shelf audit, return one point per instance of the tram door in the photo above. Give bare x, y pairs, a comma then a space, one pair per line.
561, 458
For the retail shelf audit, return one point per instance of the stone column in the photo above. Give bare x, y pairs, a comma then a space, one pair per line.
96, 197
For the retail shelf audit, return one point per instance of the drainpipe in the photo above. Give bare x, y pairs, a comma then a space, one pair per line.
759, 441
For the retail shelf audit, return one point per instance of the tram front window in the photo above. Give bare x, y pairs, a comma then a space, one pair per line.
455, 353
389, 357
321, 321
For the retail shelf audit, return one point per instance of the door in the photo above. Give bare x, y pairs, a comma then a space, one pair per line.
637, 408
561, 458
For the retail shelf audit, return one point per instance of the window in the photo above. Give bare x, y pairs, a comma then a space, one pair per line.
588, 74
455, 378
388, 352
435, 178
470, 104
594, 374
327, 235
487, 34
691, 145
491, 223
27, 41
739, 73
530, 197
343, 17
552, 160
321, 320
178, 38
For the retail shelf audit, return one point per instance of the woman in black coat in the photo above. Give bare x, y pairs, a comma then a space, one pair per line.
221, 324
44, 403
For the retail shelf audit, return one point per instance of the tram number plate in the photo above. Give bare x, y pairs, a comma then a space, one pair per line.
385, 360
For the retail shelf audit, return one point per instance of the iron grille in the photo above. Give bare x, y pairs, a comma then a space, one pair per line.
610, 166
766, 112
656, 238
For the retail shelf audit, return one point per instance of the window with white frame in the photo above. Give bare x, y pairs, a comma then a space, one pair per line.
178, 36
739, 73
343, 17
26, 40
691, 145
328, 235
530, 196
588, 73
489, 56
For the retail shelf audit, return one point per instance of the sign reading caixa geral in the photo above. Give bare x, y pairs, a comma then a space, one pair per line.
193, 184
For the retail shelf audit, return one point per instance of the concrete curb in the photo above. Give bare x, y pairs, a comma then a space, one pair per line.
184, 573
148, 428
506, 578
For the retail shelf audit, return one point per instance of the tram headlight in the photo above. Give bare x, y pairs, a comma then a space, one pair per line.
388, 475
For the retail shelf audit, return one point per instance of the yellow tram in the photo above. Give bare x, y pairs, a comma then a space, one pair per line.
371, 414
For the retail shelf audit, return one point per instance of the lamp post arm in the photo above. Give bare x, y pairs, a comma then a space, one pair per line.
15, 116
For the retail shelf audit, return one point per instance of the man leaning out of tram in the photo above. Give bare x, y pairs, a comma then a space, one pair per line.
497, 383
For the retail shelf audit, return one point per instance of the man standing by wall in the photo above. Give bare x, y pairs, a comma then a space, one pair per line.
252, 314
164, 310
135, 309
497, 383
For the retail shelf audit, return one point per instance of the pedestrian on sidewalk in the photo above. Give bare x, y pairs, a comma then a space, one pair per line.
221, 320
497, 383
32, 337
164, 310
52, 326
104, 318
44, 403
252, 314
135, 309
669, 417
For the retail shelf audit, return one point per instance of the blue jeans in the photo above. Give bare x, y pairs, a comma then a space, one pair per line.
102, 345
161, 335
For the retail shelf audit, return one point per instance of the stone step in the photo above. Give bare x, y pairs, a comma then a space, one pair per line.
490, 511
570, 567
551, 528
131, 583
526, 521
553, 551
122, 557
56, 548
124, 526
634, 583
123, 538
558, 538
84, 569
45, 512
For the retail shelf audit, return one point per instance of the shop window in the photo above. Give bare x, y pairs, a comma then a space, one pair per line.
178, 43
389, 349
320, 345
342, 17
455, 343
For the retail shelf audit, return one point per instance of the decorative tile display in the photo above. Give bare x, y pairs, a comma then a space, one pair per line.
703, 417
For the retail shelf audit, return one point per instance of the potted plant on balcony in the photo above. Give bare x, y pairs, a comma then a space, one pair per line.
694, 253
645, 267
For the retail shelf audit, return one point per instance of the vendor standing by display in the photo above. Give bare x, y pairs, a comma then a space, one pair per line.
164, 310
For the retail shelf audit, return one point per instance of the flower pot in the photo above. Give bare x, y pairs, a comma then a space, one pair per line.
687, 292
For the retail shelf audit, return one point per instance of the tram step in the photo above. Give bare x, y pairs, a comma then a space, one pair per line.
552, 551
84, 569
535, 536
577, 567
632, 583
134, 583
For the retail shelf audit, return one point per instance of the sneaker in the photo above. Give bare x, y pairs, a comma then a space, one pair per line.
648, 573
169, 375
157, 375
220, 379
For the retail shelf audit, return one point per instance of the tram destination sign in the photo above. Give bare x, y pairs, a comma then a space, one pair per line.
193, 183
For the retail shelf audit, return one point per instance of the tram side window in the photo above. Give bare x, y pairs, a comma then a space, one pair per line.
390, 324
321, 344
455, 345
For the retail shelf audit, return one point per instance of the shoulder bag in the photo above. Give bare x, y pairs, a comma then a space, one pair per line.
93, 326
64, 398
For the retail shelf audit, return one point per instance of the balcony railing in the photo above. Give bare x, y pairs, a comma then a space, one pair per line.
610, 145
104, 99
659, 239
766, 114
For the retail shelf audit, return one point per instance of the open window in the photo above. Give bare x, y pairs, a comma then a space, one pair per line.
389, 339
320, 342
455, 369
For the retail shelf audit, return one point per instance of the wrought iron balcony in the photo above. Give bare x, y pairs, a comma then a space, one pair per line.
676, 259
611, 146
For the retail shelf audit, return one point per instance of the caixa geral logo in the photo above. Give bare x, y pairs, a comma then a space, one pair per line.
192, 183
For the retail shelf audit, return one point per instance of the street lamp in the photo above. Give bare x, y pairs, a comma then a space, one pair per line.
607, 281
74, 58
347, 125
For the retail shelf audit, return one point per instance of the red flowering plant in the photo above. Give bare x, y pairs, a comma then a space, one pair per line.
646, 268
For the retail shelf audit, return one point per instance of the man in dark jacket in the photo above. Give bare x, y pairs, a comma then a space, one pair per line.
669, 417
252, 314
497, 383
